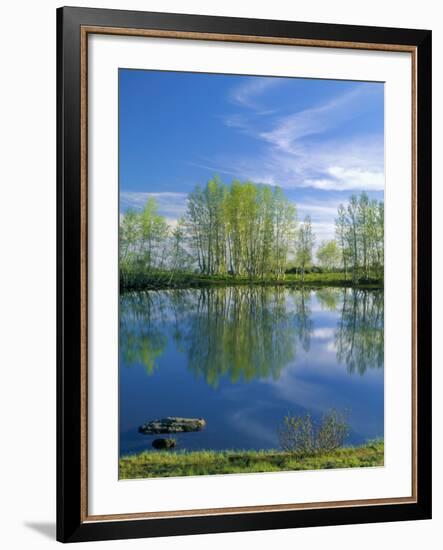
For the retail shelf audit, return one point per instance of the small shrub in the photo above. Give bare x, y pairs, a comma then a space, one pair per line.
301, 436
297, 435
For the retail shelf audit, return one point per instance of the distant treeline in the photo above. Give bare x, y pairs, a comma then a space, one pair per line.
249, 230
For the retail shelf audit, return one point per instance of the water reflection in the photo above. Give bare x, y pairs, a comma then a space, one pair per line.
360, 332
329, 297
242, 333
142, 339
247, 333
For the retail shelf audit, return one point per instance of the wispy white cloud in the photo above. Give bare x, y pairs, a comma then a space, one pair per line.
331, 346
249, 92
323, 333
245, 421
322, 215
323, 231
215, 169
335, 165
289, 158
171, 205
342, 179
290, 129
321, 210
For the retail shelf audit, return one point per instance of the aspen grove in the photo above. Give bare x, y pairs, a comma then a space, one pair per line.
251, 231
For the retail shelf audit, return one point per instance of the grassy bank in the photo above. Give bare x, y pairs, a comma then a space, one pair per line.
192, 463
163, 280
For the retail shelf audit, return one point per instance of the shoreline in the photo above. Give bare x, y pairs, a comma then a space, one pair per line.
151, 463
183, 281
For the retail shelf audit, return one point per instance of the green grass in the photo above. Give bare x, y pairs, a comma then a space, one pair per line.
163, 280
194, 463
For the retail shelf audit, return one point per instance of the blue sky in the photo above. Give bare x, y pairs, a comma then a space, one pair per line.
319, 140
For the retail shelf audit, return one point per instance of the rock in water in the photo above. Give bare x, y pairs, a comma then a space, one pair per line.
172, 425
164, 443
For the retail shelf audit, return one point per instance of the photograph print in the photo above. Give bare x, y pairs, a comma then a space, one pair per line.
251, 265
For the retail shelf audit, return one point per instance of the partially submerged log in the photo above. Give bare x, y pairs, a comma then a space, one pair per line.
172, 425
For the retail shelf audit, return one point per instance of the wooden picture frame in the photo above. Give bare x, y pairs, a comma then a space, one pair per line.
74, 25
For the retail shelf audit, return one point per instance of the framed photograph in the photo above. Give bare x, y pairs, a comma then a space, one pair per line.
244, 274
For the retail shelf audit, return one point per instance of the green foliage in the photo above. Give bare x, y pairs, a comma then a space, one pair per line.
329, 297
359, 229
304, 247
360, 332
143, 241
247, 232
242, 229
248, 332
141, 337
301, 436
184, 463
328, 255
137, 279
238, 332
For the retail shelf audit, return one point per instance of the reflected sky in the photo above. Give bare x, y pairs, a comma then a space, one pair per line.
244, 357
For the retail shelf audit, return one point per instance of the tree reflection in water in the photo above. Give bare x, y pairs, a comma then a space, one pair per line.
241, 332
245, 333
360, 332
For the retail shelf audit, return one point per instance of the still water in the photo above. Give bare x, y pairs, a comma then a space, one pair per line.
244, 357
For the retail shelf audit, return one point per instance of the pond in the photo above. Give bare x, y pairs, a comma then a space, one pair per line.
244, 357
